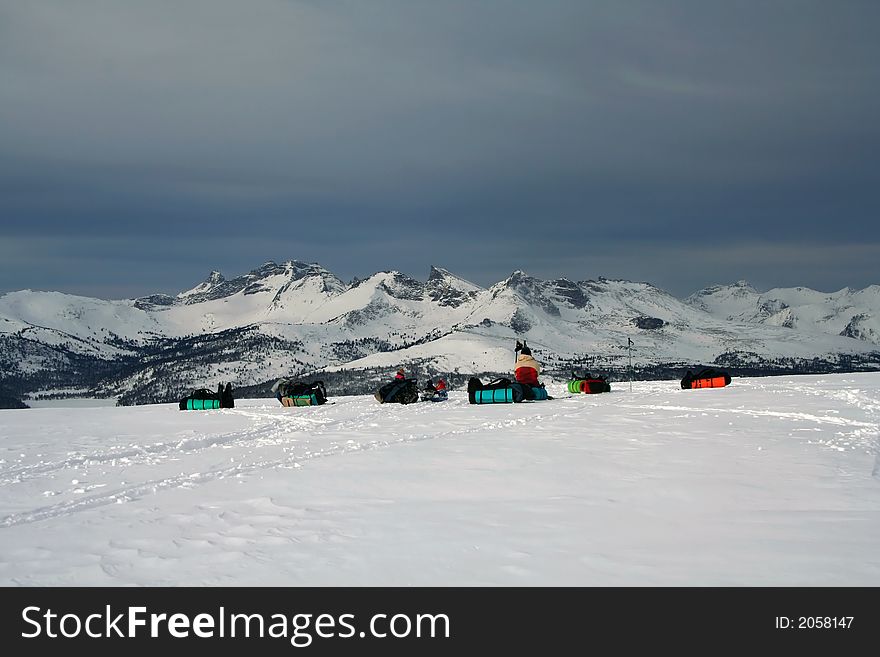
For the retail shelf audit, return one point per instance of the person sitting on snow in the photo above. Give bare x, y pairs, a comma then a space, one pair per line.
440, 387
435, 392
400, 376
526, 369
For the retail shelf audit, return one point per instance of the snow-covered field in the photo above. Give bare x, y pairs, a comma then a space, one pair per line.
771, 481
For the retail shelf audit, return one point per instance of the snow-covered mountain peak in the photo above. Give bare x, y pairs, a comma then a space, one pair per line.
441, 274
738, 300
270, 277
269, 269
528, 291
740, 286
325, 280
568, 292
518, 281
447, 289
400, 286
438, 273
297, 269
519, 277
849, 313
214, 279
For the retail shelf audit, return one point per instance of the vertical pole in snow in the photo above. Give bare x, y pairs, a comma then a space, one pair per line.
876, 471
629, 343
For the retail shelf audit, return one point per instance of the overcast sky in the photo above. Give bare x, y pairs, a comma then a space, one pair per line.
143, 144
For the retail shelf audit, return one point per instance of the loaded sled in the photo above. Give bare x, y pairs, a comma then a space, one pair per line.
503, 391
405, 391
705, 378
203, 399
587, 384
300, 393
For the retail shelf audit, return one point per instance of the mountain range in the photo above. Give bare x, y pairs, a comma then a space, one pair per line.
299, 319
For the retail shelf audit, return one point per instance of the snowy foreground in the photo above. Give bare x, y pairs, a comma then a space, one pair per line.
772, 481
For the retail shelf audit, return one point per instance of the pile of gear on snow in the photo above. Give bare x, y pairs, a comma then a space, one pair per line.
405, 390
203, 399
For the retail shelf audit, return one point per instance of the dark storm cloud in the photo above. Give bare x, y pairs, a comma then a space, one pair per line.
564, 138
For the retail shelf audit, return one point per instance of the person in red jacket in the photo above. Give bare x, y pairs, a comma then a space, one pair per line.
400, 376
527, 368
435, 392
